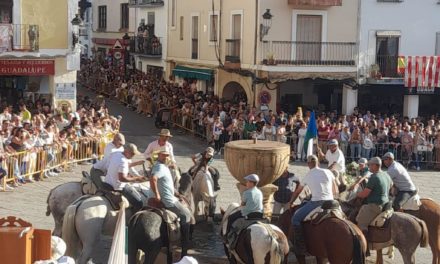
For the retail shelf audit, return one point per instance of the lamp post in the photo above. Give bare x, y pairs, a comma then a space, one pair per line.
266, 25
126, 39
76, 22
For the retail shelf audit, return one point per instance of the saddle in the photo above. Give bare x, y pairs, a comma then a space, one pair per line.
329, 209
106, 190
379, 230
232, 235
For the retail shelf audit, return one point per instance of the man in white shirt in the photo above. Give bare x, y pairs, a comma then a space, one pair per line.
154, 147
117, 145
320, 182
336, 163
118, 175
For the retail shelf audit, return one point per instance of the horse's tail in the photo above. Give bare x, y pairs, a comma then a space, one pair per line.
358, 247
48, 211
69, 234
424, 241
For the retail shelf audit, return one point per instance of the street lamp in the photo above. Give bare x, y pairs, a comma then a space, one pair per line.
76, 22
126, 39
266, 25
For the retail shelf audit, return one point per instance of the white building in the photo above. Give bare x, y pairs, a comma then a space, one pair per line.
390, 31
149, 45
85, 33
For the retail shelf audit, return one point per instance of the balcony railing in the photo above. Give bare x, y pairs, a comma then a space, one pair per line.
194, 49
315, 2
388, 66
145, 3
233, 50
19, 37
309, 53
146, 46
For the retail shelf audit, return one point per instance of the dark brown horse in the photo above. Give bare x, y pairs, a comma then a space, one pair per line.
430, 213
339, 241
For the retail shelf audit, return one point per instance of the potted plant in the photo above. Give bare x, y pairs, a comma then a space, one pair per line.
270, 58
375, 71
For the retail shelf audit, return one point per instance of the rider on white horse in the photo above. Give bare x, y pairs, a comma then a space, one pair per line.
162, 186
117, 145
203, 161
118, 175
252, 200
157, 145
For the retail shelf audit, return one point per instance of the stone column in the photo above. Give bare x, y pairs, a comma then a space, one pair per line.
411, 106
349, 100
268, 191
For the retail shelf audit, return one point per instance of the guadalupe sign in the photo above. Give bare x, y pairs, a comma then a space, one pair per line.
27, 67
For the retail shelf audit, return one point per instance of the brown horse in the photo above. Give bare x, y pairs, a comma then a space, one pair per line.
430, 213
339, 241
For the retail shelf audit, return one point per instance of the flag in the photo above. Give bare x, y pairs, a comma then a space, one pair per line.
312, 133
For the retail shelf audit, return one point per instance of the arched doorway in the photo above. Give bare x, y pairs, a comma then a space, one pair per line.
234, 92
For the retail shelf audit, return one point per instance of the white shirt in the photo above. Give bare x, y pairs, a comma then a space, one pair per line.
103, 164
155, 147
338, 157
320, 182
118, 164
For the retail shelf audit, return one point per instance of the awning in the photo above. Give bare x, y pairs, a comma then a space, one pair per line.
422, 72
193, 73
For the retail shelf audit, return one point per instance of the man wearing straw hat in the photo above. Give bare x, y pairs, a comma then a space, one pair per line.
157, 145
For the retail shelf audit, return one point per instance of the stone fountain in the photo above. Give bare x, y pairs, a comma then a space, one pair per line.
267, 159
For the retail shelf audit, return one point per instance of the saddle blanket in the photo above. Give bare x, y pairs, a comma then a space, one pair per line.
323, 214
380, 220
413, 203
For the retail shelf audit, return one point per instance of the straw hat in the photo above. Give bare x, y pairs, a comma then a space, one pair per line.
165, 132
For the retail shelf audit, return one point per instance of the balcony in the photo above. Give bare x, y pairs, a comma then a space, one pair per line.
233, 51
300, 53
386, 70
145, 3
150, 47
19, 37
315, 3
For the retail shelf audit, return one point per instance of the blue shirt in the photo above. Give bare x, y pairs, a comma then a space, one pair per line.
253, 198
165, 184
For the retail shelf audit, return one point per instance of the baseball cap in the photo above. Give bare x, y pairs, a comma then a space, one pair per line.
332, 142
375, 160
132, 148
312, 158
252, 178
388, 155
362, 161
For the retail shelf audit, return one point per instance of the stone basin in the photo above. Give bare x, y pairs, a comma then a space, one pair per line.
267, 159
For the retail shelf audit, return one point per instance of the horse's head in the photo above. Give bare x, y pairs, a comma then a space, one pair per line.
210, 204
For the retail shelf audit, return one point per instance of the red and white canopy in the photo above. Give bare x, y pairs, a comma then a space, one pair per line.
422, 72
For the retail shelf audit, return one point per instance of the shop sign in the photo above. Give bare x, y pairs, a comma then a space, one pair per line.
27, 67
65, 91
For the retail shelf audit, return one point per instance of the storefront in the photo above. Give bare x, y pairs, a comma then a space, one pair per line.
203, 79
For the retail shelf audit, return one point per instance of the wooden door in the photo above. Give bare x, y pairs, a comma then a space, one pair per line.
308, 38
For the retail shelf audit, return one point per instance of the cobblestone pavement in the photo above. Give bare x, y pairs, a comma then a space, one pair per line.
29, 201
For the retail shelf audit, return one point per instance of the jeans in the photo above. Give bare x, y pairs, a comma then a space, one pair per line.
344, 146
133, 197
355, 149
401, 198
182, 212
366, 153
304, 210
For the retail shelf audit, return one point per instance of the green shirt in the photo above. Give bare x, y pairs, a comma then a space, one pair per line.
379, 184
248, 127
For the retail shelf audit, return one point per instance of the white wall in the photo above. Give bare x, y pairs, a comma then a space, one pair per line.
418, 21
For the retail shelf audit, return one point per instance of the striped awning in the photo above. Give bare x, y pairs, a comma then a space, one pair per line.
422, 72
193, 73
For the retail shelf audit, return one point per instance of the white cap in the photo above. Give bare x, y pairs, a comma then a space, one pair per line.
187, 260
332, 142
58, 247
388, 155
252, 178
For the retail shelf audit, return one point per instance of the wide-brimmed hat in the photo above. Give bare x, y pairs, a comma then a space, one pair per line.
164, 151
165, 132
210, 151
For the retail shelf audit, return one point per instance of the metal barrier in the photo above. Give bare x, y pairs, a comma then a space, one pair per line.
36, 162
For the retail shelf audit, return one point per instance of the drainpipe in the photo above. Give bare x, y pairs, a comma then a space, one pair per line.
254, 87
358, 39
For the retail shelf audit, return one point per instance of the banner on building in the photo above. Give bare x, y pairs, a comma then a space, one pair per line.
27, 67
422, 73
65, 91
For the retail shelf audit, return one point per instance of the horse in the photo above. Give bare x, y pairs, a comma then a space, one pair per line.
149, 233
407, 232
203, 191
258, 243
337, 240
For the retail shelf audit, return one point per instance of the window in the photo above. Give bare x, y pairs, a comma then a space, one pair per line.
151, 22
6, 11
213, 27
181, 28
195, 37
124, 16
102, 17
437, 44
387, 55
173, 13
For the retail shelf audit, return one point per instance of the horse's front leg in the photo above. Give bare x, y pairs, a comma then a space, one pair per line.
379, 256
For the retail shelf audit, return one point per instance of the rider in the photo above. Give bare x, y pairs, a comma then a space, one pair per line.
162, 186
375, 194
204, 160
401, 180
363, 174
117, 145
252, 200
157, 145
320, 182
118, 175
336, 162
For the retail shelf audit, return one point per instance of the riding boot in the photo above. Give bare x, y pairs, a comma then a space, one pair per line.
185, 232
299, 245
365, 232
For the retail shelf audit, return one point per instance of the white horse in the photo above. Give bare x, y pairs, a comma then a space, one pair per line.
261, 243
203, 191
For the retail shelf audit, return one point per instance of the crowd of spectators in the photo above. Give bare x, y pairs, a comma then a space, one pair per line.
361, 134
34, 136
